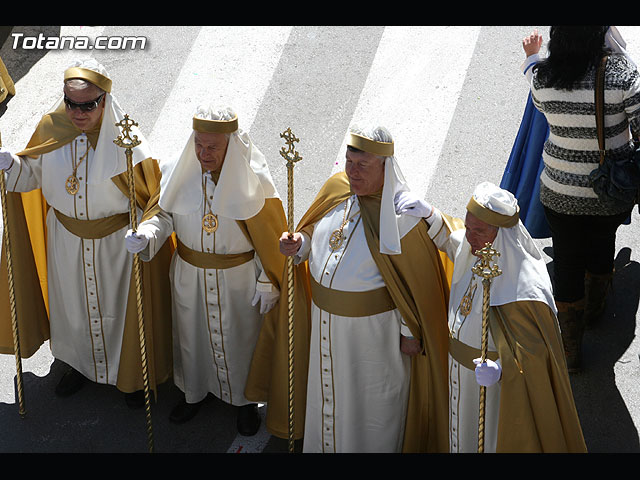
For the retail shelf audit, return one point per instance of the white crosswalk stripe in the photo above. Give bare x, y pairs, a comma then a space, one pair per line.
409, 93
226, 66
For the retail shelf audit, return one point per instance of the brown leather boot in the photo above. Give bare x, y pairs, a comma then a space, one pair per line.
571, 320
596, 288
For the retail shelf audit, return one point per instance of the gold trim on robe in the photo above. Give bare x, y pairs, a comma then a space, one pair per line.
28, 256
30, 300
537, 409
93, 229
351, 304
31, 307
213, 260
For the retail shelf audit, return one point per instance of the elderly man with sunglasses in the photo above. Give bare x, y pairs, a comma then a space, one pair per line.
82, 174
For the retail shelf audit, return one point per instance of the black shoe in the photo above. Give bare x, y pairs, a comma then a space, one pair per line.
135, 400
70, 383
183, 411
248, 421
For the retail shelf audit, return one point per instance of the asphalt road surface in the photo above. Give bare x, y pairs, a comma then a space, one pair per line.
452, 97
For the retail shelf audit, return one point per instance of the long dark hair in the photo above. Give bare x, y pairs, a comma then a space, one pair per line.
573, 50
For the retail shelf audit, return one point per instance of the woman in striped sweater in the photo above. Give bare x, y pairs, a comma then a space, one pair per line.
583, 228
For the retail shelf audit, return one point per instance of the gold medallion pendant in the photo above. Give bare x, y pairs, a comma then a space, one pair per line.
210, 223
466, 304
336, 239
72, 185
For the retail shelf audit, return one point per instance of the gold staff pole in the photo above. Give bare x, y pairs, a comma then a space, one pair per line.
485, 270
12, 297
291, 156
128, 143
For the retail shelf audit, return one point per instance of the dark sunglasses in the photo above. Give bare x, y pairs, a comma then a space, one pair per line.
85, 106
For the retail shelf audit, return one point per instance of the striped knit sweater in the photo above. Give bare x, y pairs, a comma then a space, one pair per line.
571, 151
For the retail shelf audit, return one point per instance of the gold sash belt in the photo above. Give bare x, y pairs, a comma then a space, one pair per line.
351, 304
464, 354
212, 260
92, 229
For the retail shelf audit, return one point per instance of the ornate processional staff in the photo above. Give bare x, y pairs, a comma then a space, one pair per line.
128, 143
291, 156
485, 270
12, 297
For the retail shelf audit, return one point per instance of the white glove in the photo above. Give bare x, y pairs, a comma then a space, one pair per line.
411, 204
267, 300
137, 241
6, 159
487, 373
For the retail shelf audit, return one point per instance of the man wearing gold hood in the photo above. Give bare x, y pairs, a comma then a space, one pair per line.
222, 205
529, 403
378, 297
82, 175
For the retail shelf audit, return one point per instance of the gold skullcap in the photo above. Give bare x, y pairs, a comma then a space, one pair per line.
215, 126
492, 218
372, 146
89, 75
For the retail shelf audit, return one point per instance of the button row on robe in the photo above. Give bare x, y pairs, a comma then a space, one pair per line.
326, 364
454, 416
326, 377
80, 206
95, 318
215, 328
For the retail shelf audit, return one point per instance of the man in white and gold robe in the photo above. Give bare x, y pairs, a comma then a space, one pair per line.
529, 403
377, 348
82, 175
220, 201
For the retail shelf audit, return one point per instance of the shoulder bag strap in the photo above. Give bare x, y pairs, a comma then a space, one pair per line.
599, 101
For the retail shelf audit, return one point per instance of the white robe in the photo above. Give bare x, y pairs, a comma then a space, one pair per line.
215, 327
88, 280
358, 379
